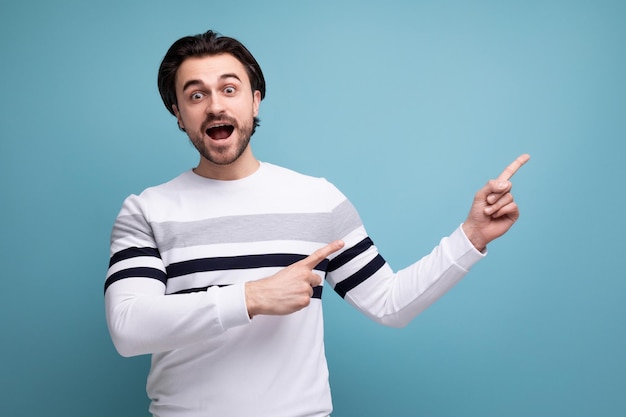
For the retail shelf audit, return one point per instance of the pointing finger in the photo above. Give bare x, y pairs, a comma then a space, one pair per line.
515, 165
319, 255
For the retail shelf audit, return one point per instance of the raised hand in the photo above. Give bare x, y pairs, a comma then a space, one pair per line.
290, 289
493, 211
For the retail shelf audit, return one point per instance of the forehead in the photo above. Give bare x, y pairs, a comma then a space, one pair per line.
210, 69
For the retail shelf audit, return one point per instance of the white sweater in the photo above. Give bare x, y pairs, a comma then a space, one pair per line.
180, 255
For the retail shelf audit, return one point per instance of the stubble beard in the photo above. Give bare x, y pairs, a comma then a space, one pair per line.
224, 155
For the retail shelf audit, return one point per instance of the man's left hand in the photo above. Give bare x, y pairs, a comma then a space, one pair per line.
493, 211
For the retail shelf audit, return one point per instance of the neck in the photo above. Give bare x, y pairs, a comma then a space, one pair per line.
243, 167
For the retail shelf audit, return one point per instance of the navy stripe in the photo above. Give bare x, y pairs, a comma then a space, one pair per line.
139, 272
349, 254
133, 253
237, 262
317, 291
352, 281
198, 289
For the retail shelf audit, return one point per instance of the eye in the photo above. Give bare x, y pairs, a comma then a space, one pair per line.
197, 96
229, 90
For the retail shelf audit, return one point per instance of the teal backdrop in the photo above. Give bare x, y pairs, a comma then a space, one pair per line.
409, 107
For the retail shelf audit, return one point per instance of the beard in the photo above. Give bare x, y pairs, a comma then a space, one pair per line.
223, 154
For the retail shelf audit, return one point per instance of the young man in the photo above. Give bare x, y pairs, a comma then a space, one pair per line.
219, 273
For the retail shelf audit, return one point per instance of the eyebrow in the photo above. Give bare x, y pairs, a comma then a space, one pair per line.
195, 82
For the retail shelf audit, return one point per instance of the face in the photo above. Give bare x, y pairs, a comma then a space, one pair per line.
216, 107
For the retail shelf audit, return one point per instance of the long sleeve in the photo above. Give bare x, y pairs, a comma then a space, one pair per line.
363, 278
140, 316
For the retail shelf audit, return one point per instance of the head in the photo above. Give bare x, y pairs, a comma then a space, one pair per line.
206, 44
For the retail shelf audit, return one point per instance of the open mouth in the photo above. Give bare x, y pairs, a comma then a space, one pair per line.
218, 132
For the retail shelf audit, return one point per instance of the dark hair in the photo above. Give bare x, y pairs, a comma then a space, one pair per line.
205, 44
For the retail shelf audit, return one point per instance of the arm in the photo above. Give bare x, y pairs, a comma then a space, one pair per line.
141, 318
364, 279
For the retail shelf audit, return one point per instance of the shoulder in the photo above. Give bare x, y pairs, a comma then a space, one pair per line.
158, 194
301, 185
288, 176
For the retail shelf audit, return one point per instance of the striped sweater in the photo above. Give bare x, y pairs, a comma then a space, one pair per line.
180, 255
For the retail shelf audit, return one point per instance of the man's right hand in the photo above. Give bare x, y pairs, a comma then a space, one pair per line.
290, 289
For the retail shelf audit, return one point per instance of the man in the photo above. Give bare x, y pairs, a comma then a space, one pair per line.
219, 273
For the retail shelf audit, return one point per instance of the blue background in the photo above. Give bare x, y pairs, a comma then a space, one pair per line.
409, 107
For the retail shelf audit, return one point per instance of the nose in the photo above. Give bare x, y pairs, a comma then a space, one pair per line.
215, 105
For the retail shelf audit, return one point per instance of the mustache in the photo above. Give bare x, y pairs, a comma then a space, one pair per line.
218, 118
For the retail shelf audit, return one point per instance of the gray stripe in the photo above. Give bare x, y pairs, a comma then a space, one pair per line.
311, 227
315, 227
346, 219
131, 224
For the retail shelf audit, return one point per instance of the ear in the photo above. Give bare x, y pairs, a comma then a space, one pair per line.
256, 102
181, 126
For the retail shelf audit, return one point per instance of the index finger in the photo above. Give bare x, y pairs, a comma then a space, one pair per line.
512, 169
319, 255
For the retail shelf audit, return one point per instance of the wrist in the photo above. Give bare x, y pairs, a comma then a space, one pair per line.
251, 304
475, 237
